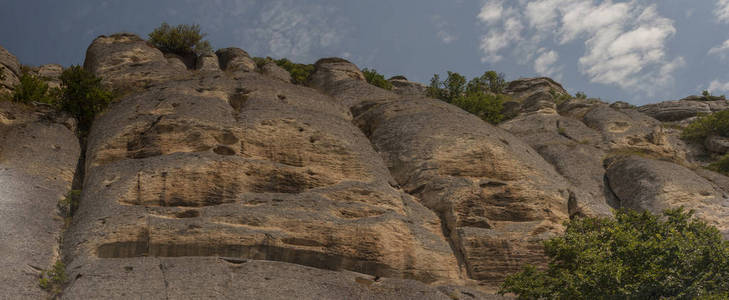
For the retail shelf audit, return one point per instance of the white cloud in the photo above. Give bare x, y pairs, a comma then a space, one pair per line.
442, 32
294, 30
722, 10
722, 50
625, 42
545, 64
718, 86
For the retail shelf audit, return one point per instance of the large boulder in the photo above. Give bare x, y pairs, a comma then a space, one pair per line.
242, 167
403, 87
127, 62
9, 71
345, 82
38, 157
235, 59
717, 144
207, 62
682, 109
646, 184
523, 88
50, 73
271, 69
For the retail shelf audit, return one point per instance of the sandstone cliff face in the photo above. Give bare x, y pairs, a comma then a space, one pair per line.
217, 178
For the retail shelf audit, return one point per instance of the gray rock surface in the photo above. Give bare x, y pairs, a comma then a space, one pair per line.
38, 157
682, 109
272, 70
235, 59
9, 71
404, 87
208, 62
717, 144
653, 185
523, 88
344, 81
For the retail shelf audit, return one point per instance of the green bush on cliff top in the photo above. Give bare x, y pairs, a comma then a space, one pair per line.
31, 88
181, 39
376, 79
481, 96
633, 256
704, 126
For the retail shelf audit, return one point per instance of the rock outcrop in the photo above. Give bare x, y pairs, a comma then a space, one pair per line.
38, 157
212, 177
496, 196
669, 111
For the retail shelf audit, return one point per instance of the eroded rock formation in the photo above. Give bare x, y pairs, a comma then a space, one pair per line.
215, 177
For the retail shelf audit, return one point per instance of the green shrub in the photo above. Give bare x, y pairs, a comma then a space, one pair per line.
83, 96
181, 39
704, 126
486, 106
490, 81
721, 166
633, 256
581, 95
33, 89
53, 280
376, 79
300, 73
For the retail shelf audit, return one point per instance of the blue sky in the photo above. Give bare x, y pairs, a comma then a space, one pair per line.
636, 51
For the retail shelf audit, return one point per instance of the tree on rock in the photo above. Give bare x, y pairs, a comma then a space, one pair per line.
633, 256
182, 39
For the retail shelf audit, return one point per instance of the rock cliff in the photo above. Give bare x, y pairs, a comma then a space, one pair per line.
219, 178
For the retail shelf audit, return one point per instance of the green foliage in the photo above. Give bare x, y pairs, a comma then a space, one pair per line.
181, 39
53, 280
486, 106
300, 73
69, 203
581, 95
83, 96
481, 96
33, 89
633, 256
704, 126
721, 166
706, 93
376, 79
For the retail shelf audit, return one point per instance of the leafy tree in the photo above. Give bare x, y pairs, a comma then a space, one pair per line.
633, 256
376, 79
33, 89
704, 126
455, 86
83, 96
300, 73
486, 106
490, 81
434, 90
182, 39
581, 95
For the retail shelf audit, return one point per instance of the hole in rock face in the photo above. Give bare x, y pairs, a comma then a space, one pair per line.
223, 150
188, 214
238, 100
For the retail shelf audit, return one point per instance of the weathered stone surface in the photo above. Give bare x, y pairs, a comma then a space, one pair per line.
248, 167
235, 59
233, 278
539, 102
404, 87
572, 148
496, 195
682, 109
523, 88
38, 156
717, 144
621, 105
208, 62
126, 62
645, 184
272, 70
344, 81
50, 73
9, 70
